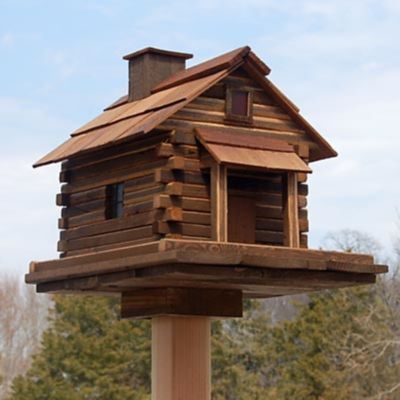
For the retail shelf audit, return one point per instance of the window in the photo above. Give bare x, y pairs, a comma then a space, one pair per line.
239, 105
114, 200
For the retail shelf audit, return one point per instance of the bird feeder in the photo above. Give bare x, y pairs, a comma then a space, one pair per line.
186, 196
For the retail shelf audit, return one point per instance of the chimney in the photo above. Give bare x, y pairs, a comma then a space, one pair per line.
148, 67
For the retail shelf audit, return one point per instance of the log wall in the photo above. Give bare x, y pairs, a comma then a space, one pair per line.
83, 223
186, 203
167, 193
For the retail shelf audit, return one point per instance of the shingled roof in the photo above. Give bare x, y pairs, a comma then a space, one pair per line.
123, 120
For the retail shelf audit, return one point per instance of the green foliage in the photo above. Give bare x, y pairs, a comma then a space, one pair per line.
341, 344
89, 354
308, 354
236, 358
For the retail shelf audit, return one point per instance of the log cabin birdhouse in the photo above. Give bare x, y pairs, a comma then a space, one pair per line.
190, 192
183, 197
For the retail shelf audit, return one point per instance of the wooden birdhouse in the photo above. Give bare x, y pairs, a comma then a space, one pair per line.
190, 193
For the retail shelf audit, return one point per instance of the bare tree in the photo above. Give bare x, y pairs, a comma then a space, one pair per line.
372, 356
23, 317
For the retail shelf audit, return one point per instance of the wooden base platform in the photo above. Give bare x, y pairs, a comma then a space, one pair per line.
254, 271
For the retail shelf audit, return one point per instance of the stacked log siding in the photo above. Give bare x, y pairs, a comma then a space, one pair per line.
166, 190
83, 217
268, 119
188, 190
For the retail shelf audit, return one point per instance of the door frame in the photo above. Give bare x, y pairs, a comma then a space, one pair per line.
219, 205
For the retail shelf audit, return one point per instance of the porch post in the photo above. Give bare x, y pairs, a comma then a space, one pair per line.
219, 202
290, 211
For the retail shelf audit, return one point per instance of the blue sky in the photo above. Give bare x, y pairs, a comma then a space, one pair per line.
339, 61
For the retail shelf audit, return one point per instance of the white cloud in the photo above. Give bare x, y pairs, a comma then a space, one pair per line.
27, 202
359, 189
65, 63
337, 60
7, 39
24, 124
28, 213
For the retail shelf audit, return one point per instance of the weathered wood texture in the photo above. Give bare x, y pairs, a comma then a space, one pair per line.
266, 191
257, 270
167, 194
187, 188
83, 218
181, 301
269, 119
192, 190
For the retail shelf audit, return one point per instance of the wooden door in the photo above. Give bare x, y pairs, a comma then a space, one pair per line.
241, 218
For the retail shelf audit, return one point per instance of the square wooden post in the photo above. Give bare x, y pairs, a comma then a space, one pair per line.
290, 211
181, 358
219, 202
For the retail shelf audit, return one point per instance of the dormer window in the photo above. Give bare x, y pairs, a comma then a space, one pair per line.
239, 105
114, 200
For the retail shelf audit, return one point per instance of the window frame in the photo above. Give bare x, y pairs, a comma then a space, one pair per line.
220, 199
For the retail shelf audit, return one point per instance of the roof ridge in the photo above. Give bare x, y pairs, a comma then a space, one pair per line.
224, 61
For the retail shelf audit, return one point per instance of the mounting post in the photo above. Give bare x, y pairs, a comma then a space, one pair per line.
181, 358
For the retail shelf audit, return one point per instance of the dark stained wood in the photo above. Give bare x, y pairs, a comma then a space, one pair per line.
132, 196
116, 245
294, 255
169, 150
190, 114
118, 224
102, 266
250, 278
241, 219
84, 219
182, 228
187, 126
218, 105
141, 205
194, 177
105, 238
136, 145
255, 283
113, 165
258, 271
194, 217
181, 301
269, 237
191, 204
139, 182
84, 208
128, 173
